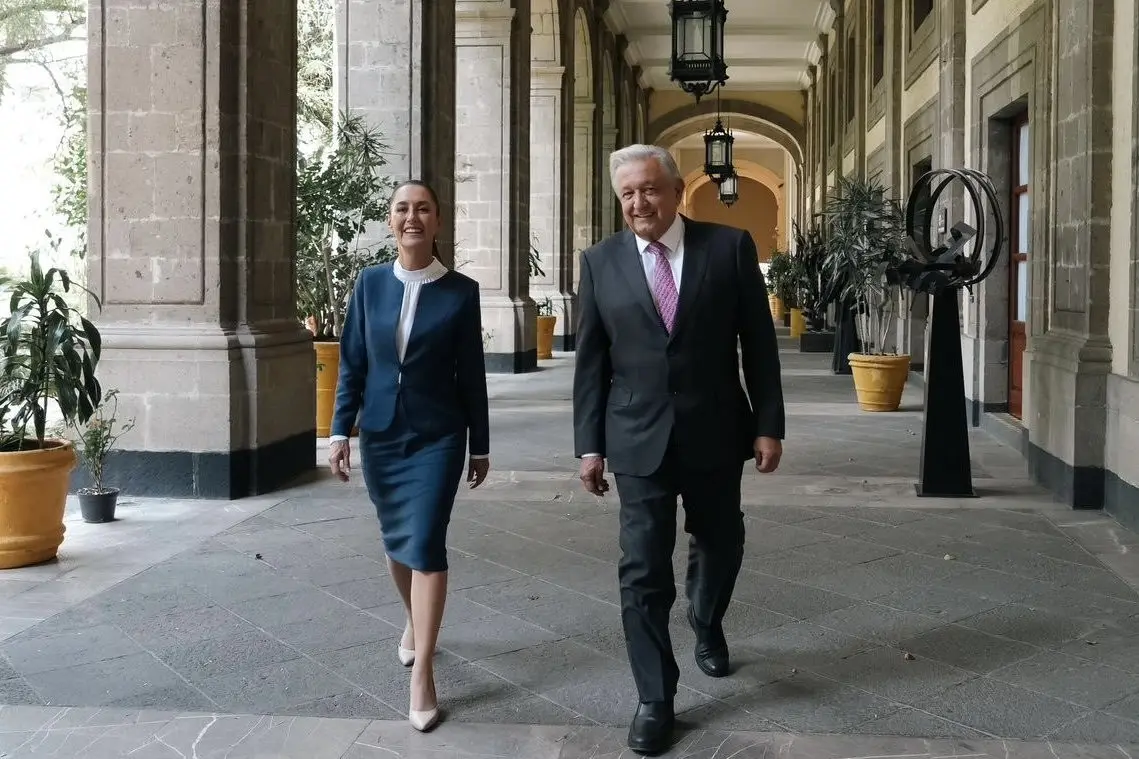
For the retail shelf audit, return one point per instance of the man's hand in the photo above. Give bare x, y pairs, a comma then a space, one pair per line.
477, 472
593, 475
340, 459
768, 451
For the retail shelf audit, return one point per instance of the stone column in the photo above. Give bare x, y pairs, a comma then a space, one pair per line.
810, 165
1069, 353
546, 201
826, 105
492, 174
838, 97
396, 68
583, 164
192, 112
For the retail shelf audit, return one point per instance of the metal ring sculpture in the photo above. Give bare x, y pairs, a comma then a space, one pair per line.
933, 269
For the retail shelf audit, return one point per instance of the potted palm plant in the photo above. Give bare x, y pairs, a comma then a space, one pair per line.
340, 190
866, 244
49, 352
97, 502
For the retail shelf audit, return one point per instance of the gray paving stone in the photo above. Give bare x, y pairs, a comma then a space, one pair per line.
1028, 625
534, 598
993, 707
1071, 679
811, 704
16, 690
942, 603
104, 683
42, 653
971, 650
275, 688
200, 660
1099, 728
917, 724
886, 671
881, 624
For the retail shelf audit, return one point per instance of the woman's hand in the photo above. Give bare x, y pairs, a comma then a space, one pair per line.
340, 459
477, 472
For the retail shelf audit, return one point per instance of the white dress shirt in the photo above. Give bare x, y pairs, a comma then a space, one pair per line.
413, 282
673, 240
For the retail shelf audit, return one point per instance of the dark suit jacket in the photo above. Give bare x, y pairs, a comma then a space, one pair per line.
634, 384
443, 383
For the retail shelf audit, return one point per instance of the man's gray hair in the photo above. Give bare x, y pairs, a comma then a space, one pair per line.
634, 153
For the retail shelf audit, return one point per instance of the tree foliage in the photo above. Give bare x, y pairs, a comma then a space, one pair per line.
69, 193
315, 43
29, 27
340, 190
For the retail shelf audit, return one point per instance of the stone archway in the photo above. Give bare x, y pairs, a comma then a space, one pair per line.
696, 179
744, 115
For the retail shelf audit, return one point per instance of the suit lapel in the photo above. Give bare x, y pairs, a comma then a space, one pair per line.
390, 307
629, 263
691, 273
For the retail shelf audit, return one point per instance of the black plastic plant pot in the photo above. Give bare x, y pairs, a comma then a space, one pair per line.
98, 506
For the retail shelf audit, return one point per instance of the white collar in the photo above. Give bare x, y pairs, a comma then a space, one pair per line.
429, 273
671, 239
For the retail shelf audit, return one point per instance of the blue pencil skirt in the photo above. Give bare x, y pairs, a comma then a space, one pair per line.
412, 481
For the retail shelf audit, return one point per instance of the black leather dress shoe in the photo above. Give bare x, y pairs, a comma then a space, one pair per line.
651, 730
711, 649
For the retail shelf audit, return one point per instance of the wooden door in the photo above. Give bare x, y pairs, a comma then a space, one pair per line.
1020, 237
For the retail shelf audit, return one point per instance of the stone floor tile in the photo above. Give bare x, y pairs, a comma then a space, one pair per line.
811, 704
1099, 728
1070, 679
535, 598
993, 707
968, 649
43, 653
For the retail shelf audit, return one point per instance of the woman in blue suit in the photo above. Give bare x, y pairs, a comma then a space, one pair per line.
411, 366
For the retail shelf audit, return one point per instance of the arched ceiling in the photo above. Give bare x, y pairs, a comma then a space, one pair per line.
768, 44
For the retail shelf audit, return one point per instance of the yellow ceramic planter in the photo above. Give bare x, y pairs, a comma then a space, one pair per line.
798, 323
546, 336
327, 372
776, 304
33, 495
879, 380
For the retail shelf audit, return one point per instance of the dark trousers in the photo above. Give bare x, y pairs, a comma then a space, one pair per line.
714, 522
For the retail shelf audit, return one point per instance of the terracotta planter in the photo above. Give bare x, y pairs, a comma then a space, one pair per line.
798, 323
546, 336
879, 380
776, 305
33, 494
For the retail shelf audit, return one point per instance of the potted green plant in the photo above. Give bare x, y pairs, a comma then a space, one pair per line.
865, 245
97, 502
810, 258
340, 191
49, 352
778, 269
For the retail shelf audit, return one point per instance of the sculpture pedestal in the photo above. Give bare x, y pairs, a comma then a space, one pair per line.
946, 469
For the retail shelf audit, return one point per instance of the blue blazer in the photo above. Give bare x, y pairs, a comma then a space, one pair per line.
443, 383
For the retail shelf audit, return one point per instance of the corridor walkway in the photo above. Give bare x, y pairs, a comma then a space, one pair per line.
867, 622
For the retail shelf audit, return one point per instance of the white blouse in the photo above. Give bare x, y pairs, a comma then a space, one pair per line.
413, 282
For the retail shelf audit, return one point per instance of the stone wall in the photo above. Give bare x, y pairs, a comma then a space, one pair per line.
995, 61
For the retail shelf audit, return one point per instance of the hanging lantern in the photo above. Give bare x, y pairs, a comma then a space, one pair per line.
697, 62
718, 152
730, 189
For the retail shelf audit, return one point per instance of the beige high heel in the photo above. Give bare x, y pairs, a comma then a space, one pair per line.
423, 721
406, 655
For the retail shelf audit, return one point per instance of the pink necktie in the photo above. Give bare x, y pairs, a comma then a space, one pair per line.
664, 286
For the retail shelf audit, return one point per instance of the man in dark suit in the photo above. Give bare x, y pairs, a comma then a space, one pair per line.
667, 309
